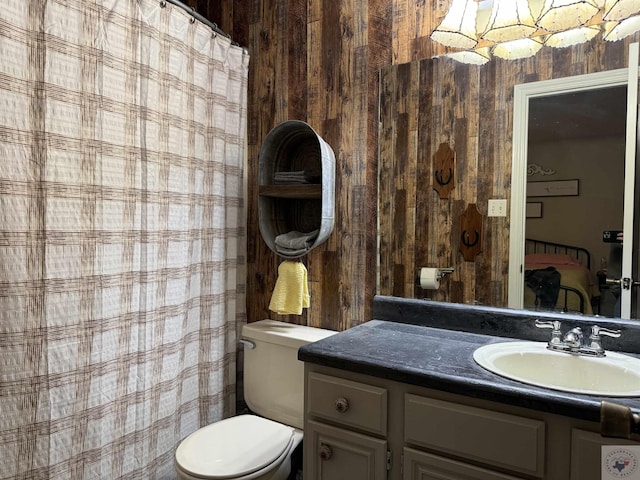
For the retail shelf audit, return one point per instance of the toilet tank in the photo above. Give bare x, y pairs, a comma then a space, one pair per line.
273, 375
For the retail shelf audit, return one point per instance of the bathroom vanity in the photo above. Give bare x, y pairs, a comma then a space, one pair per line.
401, 397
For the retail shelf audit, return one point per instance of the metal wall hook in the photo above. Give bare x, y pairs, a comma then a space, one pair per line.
439, 179
466, 240
442, 272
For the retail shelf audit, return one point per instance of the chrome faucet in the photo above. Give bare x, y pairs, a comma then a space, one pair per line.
573, 341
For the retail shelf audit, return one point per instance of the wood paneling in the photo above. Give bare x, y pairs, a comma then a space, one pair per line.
319, 61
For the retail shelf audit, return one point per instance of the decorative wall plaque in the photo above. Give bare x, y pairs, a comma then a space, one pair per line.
470, 233
444, 170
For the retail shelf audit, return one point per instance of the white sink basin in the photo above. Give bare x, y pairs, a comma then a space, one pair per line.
615, 375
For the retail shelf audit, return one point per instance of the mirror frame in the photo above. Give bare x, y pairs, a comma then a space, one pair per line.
520, 142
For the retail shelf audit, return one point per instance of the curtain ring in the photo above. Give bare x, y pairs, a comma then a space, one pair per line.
163, 4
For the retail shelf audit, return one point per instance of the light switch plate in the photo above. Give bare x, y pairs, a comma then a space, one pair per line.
497, 207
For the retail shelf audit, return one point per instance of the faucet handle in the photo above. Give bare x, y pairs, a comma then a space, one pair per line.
554, 325
597, 331
594, 338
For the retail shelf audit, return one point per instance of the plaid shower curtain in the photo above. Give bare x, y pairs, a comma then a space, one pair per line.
122, 235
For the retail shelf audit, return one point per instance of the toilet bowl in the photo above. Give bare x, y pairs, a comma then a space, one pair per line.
256, 446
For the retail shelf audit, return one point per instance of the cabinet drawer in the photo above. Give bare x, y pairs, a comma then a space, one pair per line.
498, 439
349, 403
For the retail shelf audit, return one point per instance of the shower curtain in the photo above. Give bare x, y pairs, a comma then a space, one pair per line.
122, 235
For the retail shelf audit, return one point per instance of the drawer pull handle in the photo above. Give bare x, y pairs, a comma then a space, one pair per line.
325, 452
342, 404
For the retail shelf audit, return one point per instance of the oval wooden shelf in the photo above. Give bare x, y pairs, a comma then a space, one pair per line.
291, 191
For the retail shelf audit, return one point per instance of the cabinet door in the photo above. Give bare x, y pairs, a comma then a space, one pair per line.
425, 466
586, 458
336, 454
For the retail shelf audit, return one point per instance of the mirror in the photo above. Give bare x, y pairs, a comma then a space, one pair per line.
568, 173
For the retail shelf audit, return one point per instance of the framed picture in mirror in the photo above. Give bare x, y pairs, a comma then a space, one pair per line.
557, 188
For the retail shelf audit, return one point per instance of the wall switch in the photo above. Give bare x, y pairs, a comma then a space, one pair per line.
497, 207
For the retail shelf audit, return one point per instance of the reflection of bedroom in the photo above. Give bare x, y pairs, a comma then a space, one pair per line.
597, 162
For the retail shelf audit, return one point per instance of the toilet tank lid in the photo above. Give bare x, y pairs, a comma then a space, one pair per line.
283, 333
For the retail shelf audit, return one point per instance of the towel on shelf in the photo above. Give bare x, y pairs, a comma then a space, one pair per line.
291, 293
294, 242
295, 177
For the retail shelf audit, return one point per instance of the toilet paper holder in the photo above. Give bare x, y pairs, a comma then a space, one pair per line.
432, 277
442, 272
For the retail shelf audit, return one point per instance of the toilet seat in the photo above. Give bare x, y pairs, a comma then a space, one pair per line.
235, 447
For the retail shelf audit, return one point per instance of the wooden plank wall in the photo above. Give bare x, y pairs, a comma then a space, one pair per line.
428, 102
319, 61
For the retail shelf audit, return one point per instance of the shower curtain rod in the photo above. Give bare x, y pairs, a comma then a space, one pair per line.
191, 11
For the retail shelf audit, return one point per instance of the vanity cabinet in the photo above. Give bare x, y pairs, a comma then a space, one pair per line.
365, 427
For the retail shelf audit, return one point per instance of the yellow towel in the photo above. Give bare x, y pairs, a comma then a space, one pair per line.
291, 293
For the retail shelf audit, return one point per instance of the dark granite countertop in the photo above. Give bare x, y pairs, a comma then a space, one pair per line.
442, 359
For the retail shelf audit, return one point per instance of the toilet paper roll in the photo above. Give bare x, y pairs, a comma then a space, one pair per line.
429, 278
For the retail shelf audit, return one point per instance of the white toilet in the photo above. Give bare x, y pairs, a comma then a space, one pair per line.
251, 446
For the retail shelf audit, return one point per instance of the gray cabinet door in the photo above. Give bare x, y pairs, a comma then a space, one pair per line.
335, 454
586, 458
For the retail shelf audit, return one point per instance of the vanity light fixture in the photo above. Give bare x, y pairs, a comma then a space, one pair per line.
513, 29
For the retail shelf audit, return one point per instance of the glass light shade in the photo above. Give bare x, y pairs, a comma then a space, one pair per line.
614, 31
616, 10
560, 15
458, 28
479, 56
572, 37
510, 20
515, 49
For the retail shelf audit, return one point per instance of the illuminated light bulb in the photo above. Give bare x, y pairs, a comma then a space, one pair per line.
458, 28
510, 20
571, 37
560, 15
515, 49
473, 57
614, 31
618, 10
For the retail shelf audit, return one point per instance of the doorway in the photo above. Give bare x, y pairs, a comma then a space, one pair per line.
575, 186
571, 139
